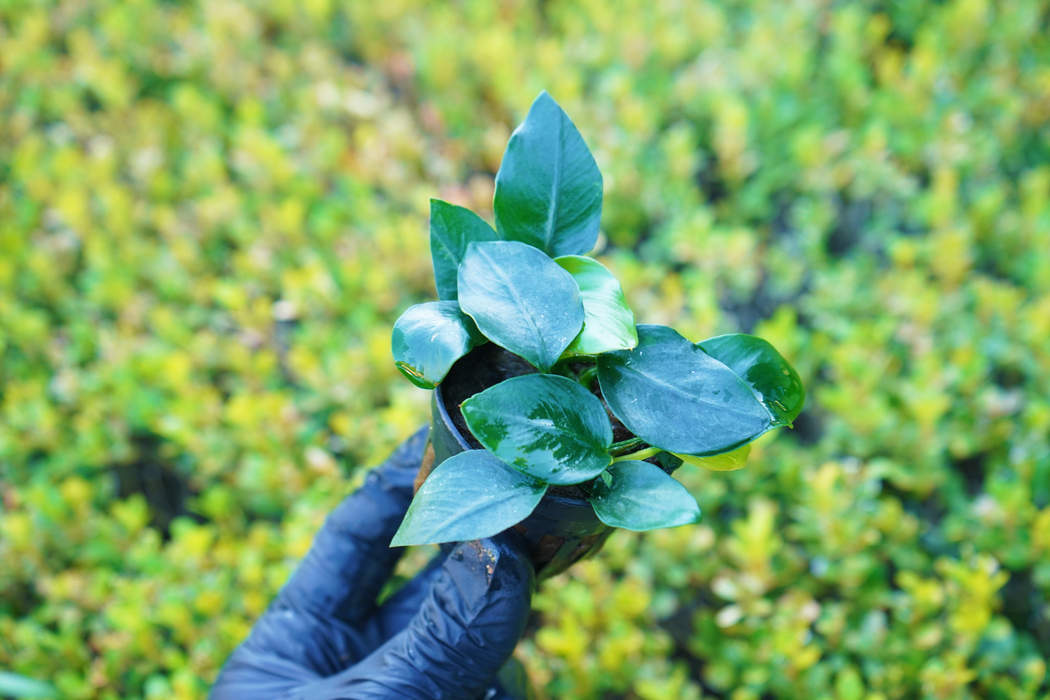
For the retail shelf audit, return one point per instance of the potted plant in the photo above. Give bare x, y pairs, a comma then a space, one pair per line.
553, 412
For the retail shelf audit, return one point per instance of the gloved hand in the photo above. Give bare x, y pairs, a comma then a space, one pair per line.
444, 635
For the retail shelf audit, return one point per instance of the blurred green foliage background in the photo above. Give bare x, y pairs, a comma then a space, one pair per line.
212, 212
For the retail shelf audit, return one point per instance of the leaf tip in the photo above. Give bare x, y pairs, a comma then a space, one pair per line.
400, 539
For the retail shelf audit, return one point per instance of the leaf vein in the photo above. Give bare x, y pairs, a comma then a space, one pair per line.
537, 335
552, 208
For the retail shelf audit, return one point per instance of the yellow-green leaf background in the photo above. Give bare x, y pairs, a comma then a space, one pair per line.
212, 212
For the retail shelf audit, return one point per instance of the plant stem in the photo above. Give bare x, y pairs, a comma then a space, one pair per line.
618, 448
562, 370
562, 366
588, 376
639, 455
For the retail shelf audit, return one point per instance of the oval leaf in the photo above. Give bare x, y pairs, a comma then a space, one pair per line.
608, 323
469, 495
429, 338
520, 299
452, 229
642, 496
548, 188
674, 396
725, 462
547, 426
774, 381
13, 685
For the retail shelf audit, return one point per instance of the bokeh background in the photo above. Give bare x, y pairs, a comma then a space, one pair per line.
212, 212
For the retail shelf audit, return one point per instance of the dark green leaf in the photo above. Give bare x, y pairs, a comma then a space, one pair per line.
452, 229
547, 426
429, 338
608, 322
521, 299
674, 396
13, 685
643, 496
548, 189
774, 381
725, 462
469, 495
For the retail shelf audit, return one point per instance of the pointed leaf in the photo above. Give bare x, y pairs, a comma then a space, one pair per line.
13, 685
547, 426
725, 462
429, 338
469, 495
452, 229
520, 299
643, 496
774, 381
608, 322
673, 395
548, 189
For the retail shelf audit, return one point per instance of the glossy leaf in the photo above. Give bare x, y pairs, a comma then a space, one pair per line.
520, 299
429, 338
608, 322
548, 189
725, 462
642, 496
13, 685
452, 229
469, 495
547, 426
757, 362
675, 396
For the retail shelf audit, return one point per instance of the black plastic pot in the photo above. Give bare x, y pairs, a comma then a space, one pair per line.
561, 531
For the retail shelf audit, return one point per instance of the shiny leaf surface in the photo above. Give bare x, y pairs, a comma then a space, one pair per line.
547, 426
642, 496
548, 189
608, 322
469, 495
520, 299
429, 338
774, 381
452, 229
675, 396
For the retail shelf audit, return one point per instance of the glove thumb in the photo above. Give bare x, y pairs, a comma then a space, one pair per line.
465, 630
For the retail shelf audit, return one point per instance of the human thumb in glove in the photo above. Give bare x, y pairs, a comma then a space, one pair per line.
444, 635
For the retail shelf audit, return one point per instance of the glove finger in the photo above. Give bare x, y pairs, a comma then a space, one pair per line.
259, 674
351, 558
465, 630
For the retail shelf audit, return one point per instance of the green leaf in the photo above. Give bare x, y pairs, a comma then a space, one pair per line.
725, 462
452, 229
468, 496
674, 396
643, 497
547, 426
13, 685
775, 382
429, 338
520, 299
548, 188
608, 323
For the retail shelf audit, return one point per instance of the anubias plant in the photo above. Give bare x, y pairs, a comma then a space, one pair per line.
526, 286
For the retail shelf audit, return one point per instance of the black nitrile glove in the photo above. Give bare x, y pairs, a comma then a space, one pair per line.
444, 635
